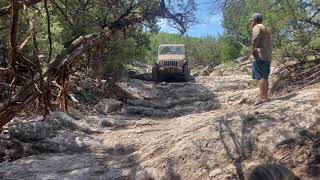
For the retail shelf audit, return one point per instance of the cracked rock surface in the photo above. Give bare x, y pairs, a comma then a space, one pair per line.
208, 129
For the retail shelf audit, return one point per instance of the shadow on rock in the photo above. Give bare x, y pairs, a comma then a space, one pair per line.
301, 153
168, 173
168, 99
114, 163
58, 148
57, 133
119, 162
238, 148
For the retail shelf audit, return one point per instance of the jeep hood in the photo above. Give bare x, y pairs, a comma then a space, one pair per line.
171, 57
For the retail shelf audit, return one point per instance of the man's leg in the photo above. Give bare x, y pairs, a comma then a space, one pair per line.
264, 88
260, 82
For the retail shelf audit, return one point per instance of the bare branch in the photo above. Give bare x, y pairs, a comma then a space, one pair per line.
24, 43
49, 29
13, 40
62, 12
80, 46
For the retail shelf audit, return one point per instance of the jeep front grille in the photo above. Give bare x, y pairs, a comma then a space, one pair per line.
170, 63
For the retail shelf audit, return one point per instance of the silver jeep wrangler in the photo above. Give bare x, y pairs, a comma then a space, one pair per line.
171, 62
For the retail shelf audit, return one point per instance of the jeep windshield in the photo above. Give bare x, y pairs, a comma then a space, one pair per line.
165, 50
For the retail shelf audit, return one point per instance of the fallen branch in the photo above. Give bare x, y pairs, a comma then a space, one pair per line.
12, 88
24, 43
316, 80
297, 76
29, 91
70, 55
245, 63
317, 74
5, 72
7, 85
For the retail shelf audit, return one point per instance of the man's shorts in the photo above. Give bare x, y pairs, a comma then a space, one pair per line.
260, 69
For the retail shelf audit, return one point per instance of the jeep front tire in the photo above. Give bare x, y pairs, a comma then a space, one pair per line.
186, 72
155, 74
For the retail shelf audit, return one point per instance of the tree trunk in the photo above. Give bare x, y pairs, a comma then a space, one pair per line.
29, 91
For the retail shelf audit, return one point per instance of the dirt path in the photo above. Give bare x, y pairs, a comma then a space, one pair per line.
203, 130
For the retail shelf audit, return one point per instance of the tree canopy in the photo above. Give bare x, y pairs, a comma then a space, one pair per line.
44, 41
294, 24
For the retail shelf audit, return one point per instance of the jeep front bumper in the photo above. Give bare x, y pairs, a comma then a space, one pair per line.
170, 70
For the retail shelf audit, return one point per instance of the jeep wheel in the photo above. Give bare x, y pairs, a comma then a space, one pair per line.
155, 74
186, 72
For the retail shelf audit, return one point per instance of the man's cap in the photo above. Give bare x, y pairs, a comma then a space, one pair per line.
257, 17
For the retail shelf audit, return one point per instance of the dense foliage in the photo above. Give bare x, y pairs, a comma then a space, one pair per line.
68, 20
43, 42
203, 51
294, 24
199, 50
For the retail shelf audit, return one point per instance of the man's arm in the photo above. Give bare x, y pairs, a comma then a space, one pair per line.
255, 40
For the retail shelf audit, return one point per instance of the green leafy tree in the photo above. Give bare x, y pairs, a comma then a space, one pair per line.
199, 50
294, 24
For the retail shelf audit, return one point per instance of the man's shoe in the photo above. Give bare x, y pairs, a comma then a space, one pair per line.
260, 101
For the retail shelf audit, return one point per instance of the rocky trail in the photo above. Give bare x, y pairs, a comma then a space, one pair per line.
207, 129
